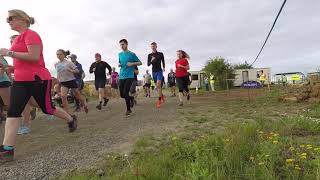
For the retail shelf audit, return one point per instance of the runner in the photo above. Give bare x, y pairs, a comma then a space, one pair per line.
114, 83
133, 88
152, 85
147, 83
66, 71
79, 79
32, 79
172, 82
127, 61
182, 67
99, 69
156, 59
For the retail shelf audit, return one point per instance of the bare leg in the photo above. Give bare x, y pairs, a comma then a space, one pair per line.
101, 94
64, 97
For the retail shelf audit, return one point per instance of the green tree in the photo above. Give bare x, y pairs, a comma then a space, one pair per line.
222, 70
244, 65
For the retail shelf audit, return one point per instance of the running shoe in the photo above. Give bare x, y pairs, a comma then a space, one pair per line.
6, 155
162, 99
105, 102
99, 107
181, 104
33, 113
73, 124
128, 113
78, 109
188, 97
24, 130
158, 104
86, 109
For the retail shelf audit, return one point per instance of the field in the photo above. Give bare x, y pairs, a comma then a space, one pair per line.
225, 136
221, 135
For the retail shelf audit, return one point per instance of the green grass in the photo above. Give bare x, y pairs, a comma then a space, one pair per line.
264, 139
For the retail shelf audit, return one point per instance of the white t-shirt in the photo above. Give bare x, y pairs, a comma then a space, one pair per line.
147, 78
63, 73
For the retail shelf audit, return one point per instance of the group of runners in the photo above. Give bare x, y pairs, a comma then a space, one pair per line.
32, 84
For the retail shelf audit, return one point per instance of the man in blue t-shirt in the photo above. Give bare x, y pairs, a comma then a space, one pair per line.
79, 79
127, 63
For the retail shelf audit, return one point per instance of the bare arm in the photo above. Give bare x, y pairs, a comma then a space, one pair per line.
33, 53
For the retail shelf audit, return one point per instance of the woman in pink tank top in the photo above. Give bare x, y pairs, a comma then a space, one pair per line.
31, 79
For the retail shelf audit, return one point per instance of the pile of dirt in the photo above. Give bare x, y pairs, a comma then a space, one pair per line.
308, 91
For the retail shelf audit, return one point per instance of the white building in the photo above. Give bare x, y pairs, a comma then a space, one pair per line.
245, 75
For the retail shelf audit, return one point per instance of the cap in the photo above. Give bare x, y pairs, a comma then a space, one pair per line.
73, 56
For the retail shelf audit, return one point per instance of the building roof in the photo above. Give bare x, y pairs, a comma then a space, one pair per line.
289, 73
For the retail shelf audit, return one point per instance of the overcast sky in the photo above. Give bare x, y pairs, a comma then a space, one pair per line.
232, 29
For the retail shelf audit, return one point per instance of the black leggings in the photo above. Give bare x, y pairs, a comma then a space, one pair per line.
183, 83
124, 87
22, 91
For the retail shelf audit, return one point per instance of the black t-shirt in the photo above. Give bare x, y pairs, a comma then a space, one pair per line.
156, 64
171, 77
100, 72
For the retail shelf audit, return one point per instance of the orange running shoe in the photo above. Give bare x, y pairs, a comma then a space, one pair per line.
162, 99
158, 104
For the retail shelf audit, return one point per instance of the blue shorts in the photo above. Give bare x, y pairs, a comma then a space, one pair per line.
157, 76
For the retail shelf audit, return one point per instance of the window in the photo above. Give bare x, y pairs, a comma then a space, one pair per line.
195, 77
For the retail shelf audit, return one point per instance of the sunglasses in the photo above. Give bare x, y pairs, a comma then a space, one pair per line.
10, 18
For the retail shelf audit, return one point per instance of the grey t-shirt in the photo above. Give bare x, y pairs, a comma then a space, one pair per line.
63, 71
147, 78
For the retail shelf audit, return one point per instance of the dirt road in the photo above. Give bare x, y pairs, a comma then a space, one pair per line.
50, 150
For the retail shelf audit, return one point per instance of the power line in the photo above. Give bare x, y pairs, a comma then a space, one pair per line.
274, 23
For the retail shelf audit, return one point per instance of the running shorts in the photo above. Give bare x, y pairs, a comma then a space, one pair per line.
22, 91
5, 84
172, 84
157, 76
100, 83
114, 86
70, 84
133, 88
147, 85
183, 83
80, 84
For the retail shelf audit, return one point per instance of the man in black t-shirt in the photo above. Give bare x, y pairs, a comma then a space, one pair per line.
156, 59
99, 69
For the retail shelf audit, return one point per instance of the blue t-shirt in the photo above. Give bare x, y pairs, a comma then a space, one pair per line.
125, 71
4, 77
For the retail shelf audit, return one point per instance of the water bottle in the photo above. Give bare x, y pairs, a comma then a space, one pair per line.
50, 117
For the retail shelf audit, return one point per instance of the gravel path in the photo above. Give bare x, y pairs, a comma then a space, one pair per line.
49, 151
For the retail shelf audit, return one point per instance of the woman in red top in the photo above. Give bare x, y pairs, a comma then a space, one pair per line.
31, 79
182, 67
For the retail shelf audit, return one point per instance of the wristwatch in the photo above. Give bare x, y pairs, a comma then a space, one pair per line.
10, 53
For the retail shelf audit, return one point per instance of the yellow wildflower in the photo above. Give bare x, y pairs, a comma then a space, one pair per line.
309, 147
303, 157
291, 148
297, 168
303, 154
289, 160
251, 158
261, 163
302, 146
275, 142
316, 149
174, 138
260, 132
227, 140
275, 135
